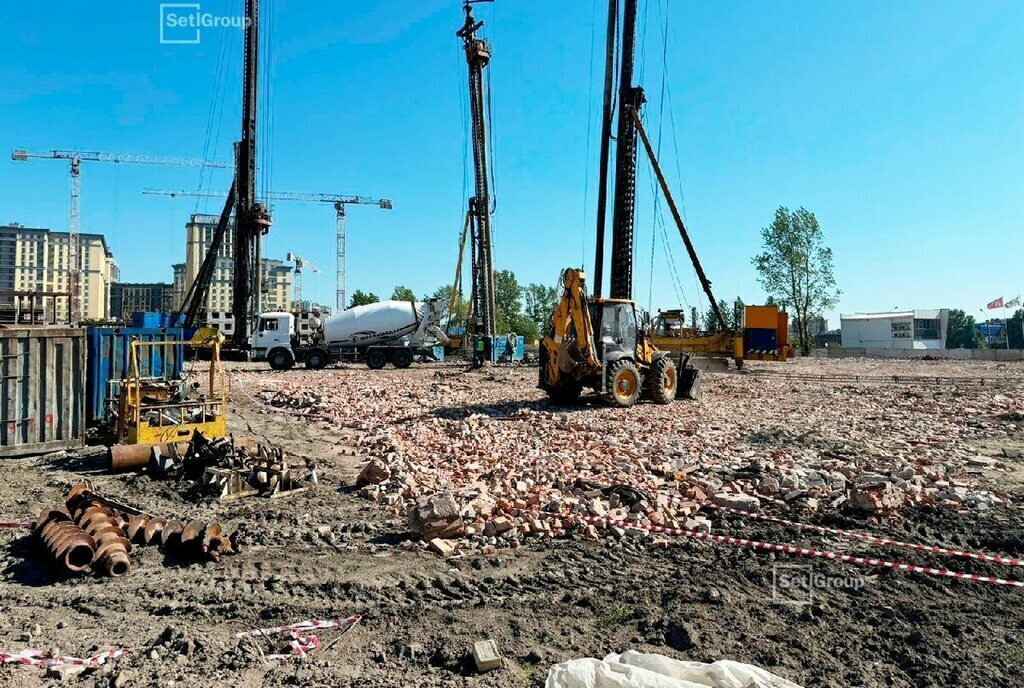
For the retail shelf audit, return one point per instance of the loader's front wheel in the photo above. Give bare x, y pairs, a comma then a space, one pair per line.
664, 381
623, 386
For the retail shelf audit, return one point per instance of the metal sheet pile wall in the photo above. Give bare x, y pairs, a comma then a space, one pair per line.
42, 390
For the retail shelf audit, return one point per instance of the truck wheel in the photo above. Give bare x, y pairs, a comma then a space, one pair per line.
375, 360
280, 359
316, 359
664, 381
623, 384
402, 358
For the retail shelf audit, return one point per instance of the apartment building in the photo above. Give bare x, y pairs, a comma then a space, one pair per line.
35, 259
131, 297
277, 277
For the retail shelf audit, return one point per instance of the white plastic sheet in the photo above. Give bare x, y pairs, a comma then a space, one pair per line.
638, 670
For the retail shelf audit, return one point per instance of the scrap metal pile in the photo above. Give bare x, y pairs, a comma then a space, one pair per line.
229, 468
488, 460
93, 532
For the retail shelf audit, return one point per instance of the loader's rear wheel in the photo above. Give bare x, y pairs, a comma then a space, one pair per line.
565, 393
375, 360
623, 384
402, 358
664, 381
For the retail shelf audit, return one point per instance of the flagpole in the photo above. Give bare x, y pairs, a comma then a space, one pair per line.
1006, 328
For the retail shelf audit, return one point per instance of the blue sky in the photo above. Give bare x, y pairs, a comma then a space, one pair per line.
901, 125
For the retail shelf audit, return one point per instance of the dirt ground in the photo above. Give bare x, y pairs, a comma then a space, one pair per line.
328, 553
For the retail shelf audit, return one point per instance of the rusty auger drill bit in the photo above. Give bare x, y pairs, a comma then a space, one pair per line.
112, 547
68, 544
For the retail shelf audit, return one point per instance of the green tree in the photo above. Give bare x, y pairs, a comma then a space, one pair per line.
711, 323
540, 304
1014, 330
507, 300
961, 331
444, 295
403, 293
737, 314
795, 267
361, 298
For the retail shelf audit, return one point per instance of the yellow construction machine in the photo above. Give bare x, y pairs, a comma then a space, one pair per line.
154, 411
600, 344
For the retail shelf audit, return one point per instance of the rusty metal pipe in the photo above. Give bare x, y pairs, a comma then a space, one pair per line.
66, 542
130, 457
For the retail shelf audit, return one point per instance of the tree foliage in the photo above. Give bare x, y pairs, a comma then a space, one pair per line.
444, 295
403, 293
962, 332
1014, 330
540, 301
362, 298
795, 268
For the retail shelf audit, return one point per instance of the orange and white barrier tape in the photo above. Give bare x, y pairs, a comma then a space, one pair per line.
933, 549
789, 549
48, 659
302, 645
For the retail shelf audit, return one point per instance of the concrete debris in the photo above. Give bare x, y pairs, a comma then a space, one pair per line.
436, 516
496, 464
443, 547
485, 655
374, 473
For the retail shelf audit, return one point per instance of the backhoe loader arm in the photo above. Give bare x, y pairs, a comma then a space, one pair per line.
571, 312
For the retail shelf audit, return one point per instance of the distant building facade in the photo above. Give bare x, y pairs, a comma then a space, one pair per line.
917, 329
277, 277
34, 259
131, 297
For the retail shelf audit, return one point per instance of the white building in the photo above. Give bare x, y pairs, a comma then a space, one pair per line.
924, 329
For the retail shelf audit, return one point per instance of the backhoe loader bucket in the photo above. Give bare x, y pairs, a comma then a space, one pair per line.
689, 386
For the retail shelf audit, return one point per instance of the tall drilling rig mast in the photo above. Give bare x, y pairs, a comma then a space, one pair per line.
478, 55
252, 220
624, 208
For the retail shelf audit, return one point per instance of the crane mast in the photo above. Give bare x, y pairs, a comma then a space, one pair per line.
478, 55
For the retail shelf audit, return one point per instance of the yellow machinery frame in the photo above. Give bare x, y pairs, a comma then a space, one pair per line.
212, 409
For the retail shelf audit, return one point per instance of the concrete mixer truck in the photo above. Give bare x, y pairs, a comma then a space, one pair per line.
395, 332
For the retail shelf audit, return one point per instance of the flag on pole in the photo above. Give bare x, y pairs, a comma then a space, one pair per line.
1013, 302
998, 303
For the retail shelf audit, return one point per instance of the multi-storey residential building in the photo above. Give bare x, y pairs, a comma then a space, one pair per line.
277, 277
131, 297
34, 259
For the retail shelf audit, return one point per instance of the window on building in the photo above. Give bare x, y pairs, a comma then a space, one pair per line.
926, 328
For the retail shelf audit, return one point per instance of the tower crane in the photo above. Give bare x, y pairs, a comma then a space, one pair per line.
339, 201
76, 158
300, 264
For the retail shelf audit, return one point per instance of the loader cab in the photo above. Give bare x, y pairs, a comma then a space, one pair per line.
615, 328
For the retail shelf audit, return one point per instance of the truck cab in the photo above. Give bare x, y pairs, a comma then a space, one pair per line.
271, 341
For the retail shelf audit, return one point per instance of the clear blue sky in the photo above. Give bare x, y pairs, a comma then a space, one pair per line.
901, 125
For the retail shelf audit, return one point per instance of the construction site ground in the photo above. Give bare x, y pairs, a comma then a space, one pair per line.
329, 552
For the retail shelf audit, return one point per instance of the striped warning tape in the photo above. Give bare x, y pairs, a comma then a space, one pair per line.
789, 549
933, 549
47, 659
302, 645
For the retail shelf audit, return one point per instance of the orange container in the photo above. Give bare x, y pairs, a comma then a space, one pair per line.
761, 317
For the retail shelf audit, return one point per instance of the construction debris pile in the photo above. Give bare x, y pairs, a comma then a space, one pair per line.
95, 532
229, 468
489, 462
